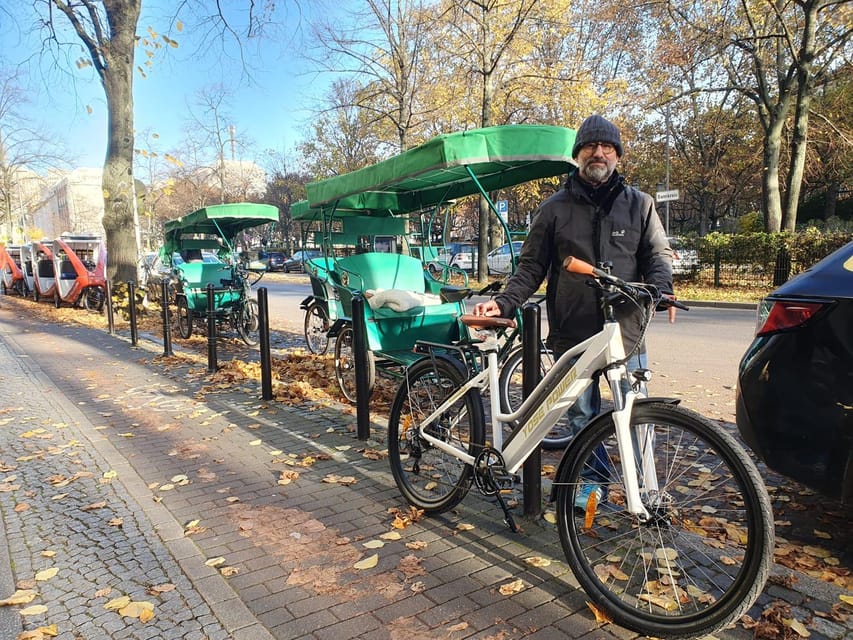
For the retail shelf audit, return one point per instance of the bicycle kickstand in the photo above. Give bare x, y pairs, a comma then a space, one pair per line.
507, 515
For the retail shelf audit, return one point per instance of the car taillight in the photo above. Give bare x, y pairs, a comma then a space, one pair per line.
780, 315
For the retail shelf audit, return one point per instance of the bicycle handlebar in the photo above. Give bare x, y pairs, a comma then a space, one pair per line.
582, 267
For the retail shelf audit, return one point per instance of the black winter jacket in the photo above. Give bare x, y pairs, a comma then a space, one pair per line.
628, 233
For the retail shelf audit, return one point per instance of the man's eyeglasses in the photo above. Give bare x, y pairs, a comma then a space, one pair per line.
606, 147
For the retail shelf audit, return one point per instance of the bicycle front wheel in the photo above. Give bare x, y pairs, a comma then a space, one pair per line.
429, 477
702, 558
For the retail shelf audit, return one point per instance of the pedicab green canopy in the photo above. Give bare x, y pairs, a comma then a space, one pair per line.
449, 166
221, 220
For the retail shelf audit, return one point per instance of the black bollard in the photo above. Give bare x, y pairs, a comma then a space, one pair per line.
532, 468
211, 329
164, 309
264, 330
362, 388
131, 301
111, 324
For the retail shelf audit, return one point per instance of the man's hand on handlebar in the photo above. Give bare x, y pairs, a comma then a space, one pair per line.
489, 308
671, 310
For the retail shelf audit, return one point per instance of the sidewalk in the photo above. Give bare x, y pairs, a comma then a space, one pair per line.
280, 499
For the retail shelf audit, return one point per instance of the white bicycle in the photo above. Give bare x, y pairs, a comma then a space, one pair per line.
662, 515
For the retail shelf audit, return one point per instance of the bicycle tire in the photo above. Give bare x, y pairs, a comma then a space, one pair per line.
248, 323
510, 387
94, 299
317, 328
185, 317
428, 477
702, 559
345, 364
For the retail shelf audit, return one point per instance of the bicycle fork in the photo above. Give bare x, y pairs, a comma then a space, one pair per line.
630, 444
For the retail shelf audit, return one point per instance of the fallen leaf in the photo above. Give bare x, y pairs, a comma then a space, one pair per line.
373, 544
536, 561
47, 574
215, 562
511, 588
601, 616
117, 603
798, 627
21, 596
36, 609
391, 535
368, 563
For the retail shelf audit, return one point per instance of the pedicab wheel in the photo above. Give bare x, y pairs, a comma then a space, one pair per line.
57, 301
345, 364
316, 328
185, 318
36, 295
247, 326
94, 299
5, 290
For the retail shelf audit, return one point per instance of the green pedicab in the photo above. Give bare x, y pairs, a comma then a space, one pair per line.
199, 249
405, 303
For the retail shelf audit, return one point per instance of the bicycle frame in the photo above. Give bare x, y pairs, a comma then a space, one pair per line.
552, 397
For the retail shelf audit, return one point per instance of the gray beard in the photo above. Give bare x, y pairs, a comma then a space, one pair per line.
596, 174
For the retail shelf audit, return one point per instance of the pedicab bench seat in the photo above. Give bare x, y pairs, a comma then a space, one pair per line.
195, 276
389, 330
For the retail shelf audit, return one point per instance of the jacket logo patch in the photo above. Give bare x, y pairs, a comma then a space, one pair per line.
618, 234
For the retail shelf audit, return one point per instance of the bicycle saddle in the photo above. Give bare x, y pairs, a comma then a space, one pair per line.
487, 322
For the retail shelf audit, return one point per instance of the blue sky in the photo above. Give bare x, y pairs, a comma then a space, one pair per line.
273, 107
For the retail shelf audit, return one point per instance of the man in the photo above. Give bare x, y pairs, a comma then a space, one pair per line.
598, 218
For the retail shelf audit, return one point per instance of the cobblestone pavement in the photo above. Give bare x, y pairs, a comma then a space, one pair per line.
139, 472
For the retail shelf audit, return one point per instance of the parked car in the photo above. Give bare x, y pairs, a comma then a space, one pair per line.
294, 263
456, 254
685, 259
794, 399
274, 260
499, 259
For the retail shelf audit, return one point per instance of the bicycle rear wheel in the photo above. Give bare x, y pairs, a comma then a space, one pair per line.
317, 328
345, 364
428, 477
248, 323
704, 556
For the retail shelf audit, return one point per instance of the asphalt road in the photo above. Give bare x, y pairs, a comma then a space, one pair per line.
696, 358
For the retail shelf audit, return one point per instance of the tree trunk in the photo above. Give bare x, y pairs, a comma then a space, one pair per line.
805, 90
830, 203
120, 215
770, 179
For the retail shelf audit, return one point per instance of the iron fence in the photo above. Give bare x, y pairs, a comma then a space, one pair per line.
756, 260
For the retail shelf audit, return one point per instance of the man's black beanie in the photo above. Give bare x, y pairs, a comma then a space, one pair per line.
597, 129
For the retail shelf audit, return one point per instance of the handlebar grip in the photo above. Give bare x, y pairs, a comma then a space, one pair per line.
576, 265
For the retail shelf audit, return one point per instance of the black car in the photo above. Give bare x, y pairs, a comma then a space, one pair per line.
794, 403
275, 260
294, 263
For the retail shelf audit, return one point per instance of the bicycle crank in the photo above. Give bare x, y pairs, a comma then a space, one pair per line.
491, 477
